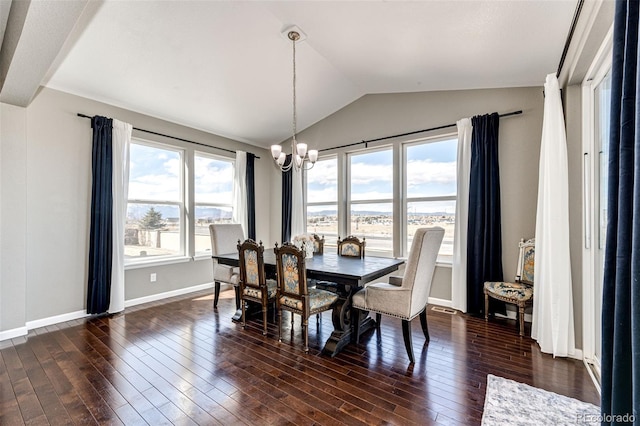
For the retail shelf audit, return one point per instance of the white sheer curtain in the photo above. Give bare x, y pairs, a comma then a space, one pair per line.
297, 208
459, 263
121, 140
552, 299
240, 214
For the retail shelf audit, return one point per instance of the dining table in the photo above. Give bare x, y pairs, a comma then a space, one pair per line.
343, 275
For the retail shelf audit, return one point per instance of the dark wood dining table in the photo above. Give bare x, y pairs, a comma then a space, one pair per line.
347, 275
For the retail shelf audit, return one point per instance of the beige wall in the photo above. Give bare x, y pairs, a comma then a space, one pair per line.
13, 217
374, 116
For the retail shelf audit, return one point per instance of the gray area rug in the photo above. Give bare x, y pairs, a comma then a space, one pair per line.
512, 403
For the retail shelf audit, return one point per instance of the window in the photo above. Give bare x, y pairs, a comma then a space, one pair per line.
155, 210
430, 187
370, 198
322, 200
389, 193
213, 184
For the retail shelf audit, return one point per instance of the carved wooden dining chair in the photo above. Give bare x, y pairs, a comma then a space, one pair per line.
404, 297
351, 246
254, 287
294, 295
519, 292
318, 244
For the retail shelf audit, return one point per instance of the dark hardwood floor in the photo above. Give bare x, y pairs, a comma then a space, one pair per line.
179, 362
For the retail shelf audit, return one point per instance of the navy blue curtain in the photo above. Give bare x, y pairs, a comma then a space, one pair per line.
620, 367
251, 197
484, 246
287, 201
101, 238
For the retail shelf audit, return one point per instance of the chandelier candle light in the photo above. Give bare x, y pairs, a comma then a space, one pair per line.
298, 150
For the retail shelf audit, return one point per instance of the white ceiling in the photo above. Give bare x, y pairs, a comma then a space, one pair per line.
224, 67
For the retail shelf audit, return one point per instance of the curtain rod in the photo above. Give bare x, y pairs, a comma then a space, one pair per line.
174, 137
409, 133
574, 22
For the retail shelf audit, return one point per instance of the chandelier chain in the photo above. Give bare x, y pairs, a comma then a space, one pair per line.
295, 114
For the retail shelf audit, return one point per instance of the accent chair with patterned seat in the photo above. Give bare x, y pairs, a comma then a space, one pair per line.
520, 292
294, 295
223, 240
351, 246
404, 297
254, 287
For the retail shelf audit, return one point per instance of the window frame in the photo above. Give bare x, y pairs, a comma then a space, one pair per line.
350, 202
404, 242
196, 204
399, 200
180, 204
328, 242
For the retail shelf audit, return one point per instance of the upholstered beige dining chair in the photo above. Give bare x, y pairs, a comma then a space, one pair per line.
224, 239
404, 297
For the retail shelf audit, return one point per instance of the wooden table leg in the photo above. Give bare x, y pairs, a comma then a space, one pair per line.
342, 321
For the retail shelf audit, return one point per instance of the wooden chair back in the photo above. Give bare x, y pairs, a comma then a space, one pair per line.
351, 246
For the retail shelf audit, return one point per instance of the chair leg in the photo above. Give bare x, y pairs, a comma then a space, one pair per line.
236, 289
216, 294
355, 316
423, 322
305, 332
486, 307
521, 317
406, 333
378, 319
264, 319
279, 325
243, 319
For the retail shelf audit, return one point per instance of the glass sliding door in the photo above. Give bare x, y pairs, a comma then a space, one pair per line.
596, 112
602, 101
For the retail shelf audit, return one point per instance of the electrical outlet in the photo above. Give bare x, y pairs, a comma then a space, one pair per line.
152, 278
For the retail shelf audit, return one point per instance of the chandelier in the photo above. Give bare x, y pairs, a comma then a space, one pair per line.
299, 153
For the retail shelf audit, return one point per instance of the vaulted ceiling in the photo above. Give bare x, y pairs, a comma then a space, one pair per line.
224, 66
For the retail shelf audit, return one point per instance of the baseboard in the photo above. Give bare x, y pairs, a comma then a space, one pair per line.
577, 354
440, 302
14, 332
56, 319
167, 294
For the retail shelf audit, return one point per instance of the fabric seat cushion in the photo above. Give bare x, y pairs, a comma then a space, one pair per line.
515, 291
272, 288
319, 300
384, 298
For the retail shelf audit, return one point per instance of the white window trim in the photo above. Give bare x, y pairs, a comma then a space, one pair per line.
197, 255
181, 206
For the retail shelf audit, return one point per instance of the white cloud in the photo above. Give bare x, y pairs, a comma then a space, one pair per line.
426, 171
363, 173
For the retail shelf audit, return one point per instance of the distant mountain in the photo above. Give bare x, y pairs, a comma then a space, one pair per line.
374, 213
171, 213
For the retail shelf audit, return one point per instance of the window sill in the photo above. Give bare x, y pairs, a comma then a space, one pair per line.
444, 264
156, 262
202, 256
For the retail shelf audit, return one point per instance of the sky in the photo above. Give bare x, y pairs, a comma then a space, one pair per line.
154, 175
